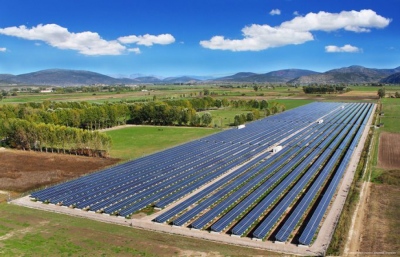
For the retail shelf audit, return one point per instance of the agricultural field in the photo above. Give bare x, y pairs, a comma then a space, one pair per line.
132, 142
173, 245
389, 151
23, 171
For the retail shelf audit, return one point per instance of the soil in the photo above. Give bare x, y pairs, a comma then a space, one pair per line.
381, 221
21, 171
389, 151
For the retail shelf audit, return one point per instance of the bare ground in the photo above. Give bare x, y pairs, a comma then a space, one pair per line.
389, 151
381, 223
21, 171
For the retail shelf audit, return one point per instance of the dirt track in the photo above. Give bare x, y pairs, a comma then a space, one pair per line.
21, 171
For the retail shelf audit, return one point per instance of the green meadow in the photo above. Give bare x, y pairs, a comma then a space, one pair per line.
137, 141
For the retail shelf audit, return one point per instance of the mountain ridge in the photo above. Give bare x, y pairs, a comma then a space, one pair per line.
65, 77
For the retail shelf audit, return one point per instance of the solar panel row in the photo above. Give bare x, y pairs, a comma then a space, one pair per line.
252, 179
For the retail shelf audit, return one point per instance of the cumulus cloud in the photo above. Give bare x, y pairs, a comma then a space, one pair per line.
135, 50
298, 30
259, 37
354, 21
296, 13
87, 42
148, 40
344, 49
3, 49
275, 12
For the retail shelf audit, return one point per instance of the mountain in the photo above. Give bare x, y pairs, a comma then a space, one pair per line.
279, 76
59, 77
392, 79
146, 79
6, 76
183, 79
241, 76
351, 74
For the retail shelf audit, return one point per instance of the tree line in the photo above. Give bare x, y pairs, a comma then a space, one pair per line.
268, 109
26, 135
324, 89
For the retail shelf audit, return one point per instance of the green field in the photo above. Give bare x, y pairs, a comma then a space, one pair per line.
391, 118
224, 117
29, 232
293, 103
134, 142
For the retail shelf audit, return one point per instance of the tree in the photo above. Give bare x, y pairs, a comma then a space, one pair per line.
206, 119
249, 116
263, 105
381, 92
255, 87
195, 120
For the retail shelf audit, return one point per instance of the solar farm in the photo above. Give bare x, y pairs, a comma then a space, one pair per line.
270, 180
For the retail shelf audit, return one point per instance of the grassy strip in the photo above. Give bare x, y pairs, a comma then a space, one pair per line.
51, 234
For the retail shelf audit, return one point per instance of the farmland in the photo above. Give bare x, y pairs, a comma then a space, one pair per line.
137, 141
122, 149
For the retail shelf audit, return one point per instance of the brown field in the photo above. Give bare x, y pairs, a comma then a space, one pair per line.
389, 151
382, 232
21, 171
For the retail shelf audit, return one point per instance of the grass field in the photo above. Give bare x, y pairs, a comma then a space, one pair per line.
133, 142
293, 103
28, 232
224, 117
391, 118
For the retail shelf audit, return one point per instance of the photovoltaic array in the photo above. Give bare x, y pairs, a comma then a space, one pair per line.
246, 190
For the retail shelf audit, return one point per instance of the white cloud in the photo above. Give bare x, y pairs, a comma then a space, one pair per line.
344, 49
275, 12
259, 37
135, 50
354, 21
87, 42
3, 49
297, 31
296, 13
148, 40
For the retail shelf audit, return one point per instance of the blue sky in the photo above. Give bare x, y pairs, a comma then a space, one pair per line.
197, 37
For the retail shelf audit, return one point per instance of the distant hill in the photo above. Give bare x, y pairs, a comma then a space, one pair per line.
183, 79
6, 76
392, 79
146, 79
61, 77
279, 76
351, 74
241, 76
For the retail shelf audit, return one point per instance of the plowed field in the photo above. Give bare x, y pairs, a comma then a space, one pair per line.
21, 171
389, 151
